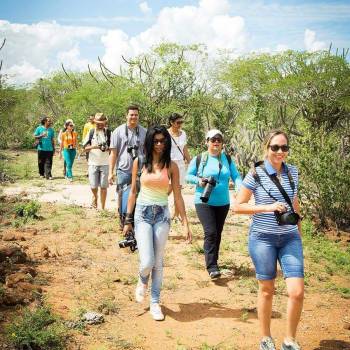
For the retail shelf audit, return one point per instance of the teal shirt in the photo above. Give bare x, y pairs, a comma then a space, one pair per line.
45, 143
220, 194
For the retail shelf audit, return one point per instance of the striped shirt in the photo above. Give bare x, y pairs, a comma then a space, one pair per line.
266, 222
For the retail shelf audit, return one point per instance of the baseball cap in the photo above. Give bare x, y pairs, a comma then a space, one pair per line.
213, 132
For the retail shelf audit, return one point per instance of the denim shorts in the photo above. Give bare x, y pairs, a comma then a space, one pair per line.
266, 249
152, 214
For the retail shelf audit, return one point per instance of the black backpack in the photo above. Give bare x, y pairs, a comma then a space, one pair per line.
107, 133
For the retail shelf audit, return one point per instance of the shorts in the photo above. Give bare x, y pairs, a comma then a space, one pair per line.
182, 171
266, 249
98, 176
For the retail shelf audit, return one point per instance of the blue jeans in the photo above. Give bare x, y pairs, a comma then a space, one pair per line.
123, 179
69, 156
152, 226
266, 249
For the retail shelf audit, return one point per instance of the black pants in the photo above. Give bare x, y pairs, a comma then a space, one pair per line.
212, 219
45, 163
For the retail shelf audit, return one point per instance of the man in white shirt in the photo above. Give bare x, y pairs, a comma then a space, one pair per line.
97, 144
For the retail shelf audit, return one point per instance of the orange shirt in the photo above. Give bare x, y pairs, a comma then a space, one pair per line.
69, 139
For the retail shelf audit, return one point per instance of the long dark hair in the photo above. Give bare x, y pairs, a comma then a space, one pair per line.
148, 146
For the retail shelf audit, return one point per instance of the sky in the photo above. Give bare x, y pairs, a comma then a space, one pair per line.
42, 34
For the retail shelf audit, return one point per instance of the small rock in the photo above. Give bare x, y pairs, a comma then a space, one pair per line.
346, 325
92, 317
45, 251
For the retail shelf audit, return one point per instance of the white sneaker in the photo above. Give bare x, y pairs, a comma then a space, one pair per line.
156, 312
140, 291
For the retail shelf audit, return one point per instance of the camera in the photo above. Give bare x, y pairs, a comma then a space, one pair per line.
287, 218
129, 241
103, 146
210, 184
133, 151
70, 146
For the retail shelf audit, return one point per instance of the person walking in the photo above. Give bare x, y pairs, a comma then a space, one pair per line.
179, 150
212, 170
97, 145
59, 137
127, 142
275, 234
45, 143
68, 147
152, 217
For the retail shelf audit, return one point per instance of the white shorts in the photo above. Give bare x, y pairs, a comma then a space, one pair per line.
98, 176
182, 171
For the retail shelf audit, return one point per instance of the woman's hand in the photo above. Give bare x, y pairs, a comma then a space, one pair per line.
277, 206
188, 234
127, 228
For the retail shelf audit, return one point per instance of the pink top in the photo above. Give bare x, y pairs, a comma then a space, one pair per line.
154, 188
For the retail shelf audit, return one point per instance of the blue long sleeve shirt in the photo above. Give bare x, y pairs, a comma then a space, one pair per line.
220, 194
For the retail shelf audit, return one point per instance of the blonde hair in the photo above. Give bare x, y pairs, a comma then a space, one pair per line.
269, 137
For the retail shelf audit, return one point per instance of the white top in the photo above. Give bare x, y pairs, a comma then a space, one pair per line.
181, 141
96, 156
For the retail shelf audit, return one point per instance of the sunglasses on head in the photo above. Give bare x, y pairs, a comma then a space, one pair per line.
215, 139
159, 141
276, 148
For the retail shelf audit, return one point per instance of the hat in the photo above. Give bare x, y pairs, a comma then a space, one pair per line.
69, 121
213, 132
100, 118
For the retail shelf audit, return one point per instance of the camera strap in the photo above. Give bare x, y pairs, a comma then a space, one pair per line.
137, 131
178, 146
275, 180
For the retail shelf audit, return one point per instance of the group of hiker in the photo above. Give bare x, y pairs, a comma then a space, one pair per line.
152, 163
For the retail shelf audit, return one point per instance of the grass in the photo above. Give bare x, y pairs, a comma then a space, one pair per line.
37, 329
322, 250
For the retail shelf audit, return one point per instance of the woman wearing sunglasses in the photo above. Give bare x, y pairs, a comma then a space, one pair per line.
212, 170
68, 147
179, 152
152, 218
275, 235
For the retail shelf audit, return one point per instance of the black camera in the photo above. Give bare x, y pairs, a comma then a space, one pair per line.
129, 241
287, 218
133, 151
210, 184
103, 146
70, 146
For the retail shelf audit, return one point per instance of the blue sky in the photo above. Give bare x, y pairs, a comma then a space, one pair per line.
41, 34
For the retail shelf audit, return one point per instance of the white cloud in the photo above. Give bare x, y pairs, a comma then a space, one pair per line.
208, 23
282, 47
23, 73
40, 47
145, 9
310, 42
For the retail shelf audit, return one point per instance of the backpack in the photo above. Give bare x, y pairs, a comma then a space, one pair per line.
205, 158
107, 133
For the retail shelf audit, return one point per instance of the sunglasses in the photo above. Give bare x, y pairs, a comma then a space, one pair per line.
276, 148
215, 139
159, 141
179, 122
70, 125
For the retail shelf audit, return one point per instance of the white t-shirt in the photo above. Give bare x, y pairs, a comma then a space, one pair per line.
181, 141
96, 156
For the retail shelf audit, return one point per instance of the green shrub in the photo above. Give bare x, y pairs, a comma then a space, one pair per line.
27, 210
38, 329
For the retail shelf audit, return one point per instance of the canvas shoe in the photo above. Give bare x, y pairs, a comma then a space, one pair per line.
156, 312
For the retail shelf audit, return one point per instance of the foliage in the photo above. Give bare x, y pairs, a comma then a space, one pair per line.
38, 329
27, 209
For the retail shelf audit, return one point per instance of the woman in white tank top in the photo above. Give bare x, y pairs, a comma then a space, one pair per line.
179, 151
